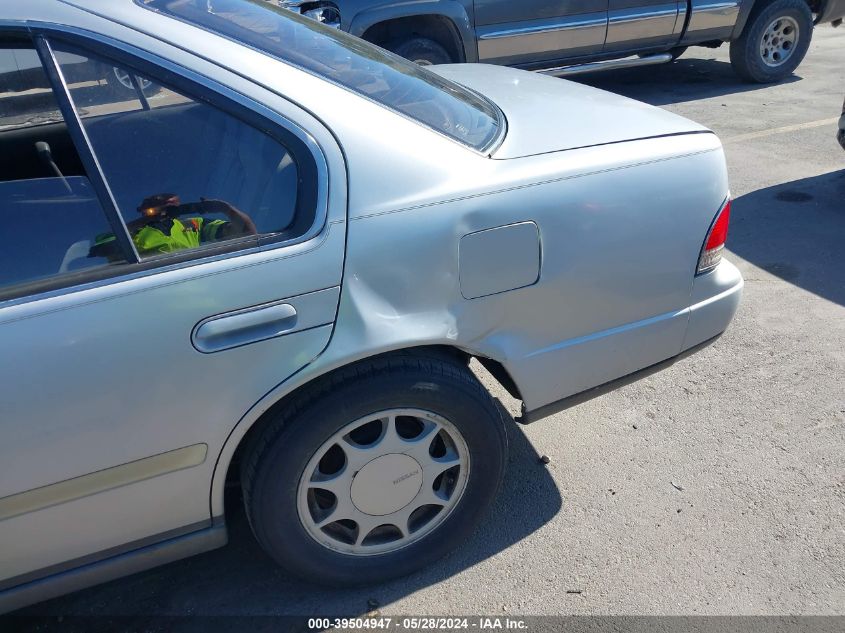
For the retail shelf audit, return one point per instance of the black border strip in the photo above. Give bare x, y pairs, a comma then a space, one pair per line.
118, 562
95, 557
83, 147
528, 417
303, 156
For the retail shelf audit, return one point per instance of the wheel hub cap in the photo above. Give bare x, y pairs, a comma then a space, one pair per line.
383, 482
387, 484
126, 81
778, 41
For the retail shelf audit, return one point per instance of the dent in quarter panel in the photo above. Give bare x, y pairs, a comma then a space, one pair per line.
499, 259
622, 245
619, 255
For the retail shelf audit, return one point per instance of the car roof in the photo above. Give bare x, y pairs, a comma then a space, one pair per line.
233, 31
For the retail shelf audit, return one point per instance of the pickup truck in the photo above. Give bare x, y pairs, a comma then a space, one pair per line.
768, 38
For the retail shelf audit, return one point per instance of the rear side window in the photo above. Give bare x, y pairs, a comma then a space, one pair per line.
184, 173
143, 174
49, 213
347, 61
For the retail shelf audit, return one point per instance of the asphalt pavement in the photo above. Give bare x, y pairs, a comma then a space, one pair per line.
714, 487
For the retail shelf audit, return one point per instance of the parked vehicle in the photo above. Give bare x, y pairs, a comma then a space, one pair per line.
275, 271
21, 70
768, 38
841, 134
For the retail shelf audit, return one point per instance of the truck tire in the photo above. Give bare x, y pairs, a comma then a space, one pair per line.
422, 51
774, 41
375, 471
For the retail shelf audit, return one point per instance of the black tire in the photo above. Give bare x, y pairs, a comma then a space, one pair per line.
746, 57
423, 51
278, 456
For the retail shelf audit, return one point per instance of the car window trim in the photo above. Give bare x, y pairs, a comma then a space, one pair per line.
202, 88
80, 140
123, 271
199, 88
486, 150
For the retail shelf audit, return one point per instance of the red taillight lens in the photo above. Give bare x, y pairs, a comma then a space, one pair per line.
711, 254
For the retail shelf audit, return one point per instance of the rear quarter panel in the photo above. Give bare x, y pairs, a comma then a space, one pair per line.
621, 228
359, 15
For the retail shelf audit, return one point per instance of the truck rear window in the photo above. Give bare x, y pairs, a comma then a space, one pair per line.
346, 61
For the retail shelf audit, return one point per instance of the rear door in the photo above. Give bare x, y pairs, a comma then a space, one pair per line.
539, 31
641, 24
127, 360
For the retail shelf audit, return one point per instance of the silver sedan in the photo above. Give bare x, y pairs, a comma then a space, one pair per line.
263, 251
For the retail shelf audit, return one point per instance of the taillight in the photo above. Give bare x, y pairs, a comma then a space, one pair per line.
711, 254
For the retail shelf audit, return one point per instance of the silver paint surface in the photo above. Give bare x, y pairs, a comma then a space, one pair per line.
622, 195
546, 114
499, 259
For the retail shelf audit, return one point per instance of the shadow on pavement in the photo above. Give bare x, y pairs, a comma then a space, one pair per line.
796, 231
240, 580
687, 79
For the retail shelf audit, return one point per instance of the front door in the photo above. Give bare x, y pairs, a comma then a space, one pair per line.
634, 25
539, 32
170, 255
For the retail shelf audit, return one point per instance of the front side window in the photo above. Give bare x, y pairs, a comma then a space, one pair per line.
184, 174
347, 61
49, 213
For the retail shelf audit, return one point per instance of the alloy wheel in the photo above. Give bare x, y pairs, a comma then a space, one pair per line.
779, 41
126, 81
383, 482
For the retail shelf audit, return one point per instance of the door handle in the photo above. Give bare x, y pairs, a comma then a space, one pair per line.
244, 327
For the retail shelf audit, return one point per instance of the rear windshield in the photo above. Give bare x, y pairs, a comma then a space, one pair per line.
347, 61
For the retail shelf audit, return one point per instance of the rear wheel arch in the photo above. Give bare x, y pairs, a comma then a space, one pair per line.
780, 24
262, 413
420, 415
438, 28
747, 6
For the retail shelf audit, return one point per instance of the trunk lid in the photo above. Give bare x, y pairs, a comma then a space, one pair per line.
546, 114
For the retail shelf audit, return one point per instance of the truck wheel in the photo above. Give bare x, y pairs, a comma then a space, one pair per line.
121, 86
375, 472
773, 42
422, 51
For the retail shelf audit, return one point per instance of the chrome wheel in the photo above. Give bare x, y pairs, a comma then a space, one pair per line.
779, 41
383, 482
126, 81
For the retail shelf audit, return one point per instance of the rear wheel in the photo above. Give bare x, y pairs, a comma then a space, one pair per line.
422, 51
377, 472
774, 41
